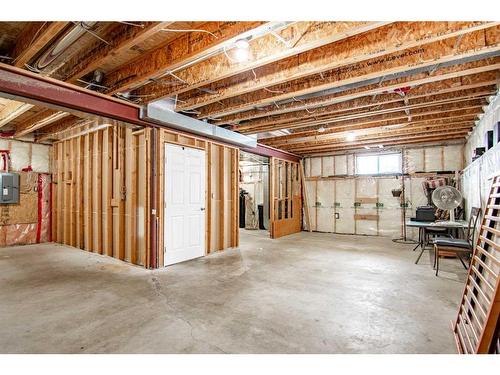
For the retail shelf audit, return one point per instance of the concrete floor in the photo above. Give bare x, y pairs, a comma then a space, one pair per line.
305, 293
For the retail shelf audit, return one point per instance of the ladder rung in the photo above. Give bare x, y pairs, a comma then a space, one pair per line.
490, 229
493, 218
478, 288
479, 325
485, 253
476, 301
490, 242
460, 323
480, 275
495, 195
485, 266
494, 206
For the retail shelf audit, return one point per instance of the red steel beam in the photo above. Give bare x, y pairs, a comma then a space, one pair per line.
269, 151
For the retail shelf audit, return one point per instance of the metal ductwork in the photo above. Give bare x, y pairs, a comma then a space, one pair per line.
62, 44
162, 113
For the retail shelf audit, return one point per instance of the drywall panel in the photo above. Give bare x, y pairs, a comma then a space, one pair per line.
328, 166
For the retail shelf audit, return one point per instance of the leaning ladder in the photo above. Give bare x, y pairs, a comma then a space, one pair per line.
476, 328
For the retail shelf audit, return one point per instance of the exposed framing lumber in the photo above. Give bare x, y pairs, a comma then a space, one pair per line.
34, 38
122, 40
387, 135
397, 63
299, 37
444, 75
12, 110
381, 41
38, 121
422, 119
417, 126
439, 139
186, 49
368, 103
53, 130
409, 110
394, 120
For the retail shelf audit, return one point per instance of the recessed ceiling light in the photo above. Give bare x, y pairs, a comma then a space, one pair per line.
350, 137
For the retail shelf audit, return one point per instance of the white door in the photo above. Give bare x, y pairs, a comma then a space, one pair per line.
184, 231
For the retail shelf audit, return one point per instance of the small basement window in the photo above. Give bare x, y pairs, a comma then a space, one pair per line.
378, 164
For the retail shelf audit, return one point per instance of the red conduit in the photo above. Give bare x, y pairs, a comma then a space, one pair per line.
40, 207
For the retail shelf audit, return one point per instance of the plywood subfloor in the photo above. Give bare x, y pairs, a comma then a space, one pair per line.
304, 293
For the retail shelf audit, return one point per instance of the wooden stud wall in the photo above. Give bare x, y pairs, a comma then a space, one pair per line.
100, 193
285, 194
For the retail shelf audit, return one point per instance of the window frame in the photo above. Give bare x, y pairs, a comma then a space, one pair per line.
378, 155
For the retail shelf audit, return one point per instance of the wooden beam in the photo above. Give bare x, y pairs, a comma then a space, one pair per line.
396, 121
53, 130
410, 110
370, 102
38, 121
34, 38
441, 77
120, 41
188, 48
12, 110
368, 46
439, 139
295, 39
405, 133
445, 120
473, 107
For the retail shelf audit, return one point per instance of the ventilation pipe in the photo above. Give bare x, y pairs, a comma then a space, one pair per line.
161, 112
63, 43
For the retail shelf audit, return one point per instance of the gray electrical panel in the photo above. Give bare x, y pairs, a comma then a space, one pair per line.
9, 188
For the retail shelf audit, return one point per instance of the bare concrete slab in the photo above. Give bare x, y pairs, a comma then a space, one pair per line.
305, 293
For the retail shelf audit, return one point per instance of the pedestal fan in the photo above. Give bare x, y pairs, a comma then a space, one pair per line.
447, 198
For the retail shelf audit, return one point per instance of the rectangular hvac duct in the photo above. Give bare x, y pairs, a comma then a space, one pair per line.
161, 113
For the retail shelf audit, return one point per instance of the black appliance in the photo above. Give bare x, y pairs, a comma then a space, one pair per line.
426, 213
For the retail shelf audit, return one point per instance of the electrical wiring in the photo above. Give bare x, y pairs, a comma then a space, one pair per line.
141, 25
87, 29
92, 84
190, 31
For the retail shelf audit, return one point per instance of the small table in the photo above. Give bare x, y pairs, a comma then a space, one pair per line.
423, 225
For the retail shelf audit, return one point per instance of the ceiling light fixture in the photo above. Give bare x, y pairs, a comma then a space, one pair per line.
380, 146
242, 50
367, 147
321, 130
350, 137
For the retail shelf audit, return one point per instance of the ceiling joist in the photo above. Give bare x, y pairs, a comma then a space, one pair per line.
368, 46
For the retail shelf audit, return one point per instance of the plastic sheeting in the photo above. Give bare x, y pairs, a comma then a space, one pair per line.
476, 179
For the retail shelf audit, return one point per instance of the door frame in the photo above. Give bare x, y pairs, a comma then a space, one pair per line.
163, 206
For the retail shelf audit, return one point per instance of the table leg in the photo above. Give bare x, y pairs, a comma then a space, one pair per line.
419, 239
422, 243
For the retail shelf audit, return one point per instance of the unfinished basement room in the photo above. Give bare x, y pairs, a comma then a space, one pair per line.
249, 187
